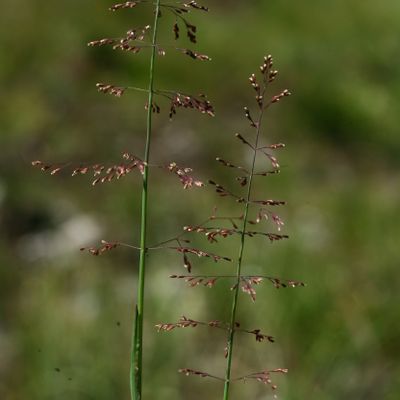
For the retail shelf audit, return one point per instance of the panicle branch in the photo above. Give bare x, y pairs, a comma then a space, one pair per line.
212, 233
103, 174
185, 322
244, 141
100, 172
268, 202
106, 246
263, 377
200, 253
188, 371
133, 42
225, 192
123, 43
210, 280
230, 165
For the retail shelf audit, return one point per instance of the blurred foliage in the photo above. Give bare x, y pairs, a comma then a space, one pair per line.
65, 317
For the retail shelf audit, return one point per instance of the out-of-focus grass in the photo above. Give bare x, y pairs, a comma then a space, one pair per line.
61, 309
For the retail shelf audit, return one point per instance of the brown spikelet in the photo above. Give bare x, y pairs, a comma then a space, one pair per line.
102, 42
186, 263
196, 281
161, 52
278, 97
267, 215
269, 202
211, 233
266, 173
230, 165
175, 29
142, 33
279, 283
53, 169
247, 287
127, 4
199, 103
223, 192
266, 66
243, 180
263, 377
196, 56
182, 323
260, 337
248, 116
257, 88
107, 174
124, 46
273, 237
124, 43
110, 89
97, 251
193, 4
184, 176
154, 107
243, 140
191, 32
274, 146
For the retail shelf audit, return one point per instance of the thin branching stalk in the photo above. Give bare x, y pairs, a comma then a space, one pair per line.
137, 334
231, 334
134, 41
214, 232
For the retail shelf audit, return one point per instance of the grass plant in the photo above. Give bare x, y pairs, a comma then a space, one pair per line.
254, 211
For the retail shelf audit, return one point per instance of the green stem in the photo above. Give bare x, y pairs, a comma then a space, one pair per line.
231, 334
137, 334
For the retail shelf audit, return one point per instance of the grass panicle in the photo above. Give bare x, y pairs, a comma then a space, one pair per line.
255, 212
133, 42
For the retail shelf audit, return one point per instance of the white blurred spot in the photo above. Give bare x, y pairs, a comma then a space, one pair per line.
78, 231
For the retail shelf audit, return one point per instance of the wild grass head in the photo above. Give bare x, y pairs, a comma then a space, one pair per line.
257, 212
257, 217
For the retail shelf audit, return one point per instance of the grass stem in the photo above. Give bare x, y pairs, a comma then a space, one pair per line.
137, 334
231, 334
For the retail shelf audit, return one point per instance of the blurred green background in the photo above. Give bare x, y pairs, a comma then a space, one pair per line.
65, 317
